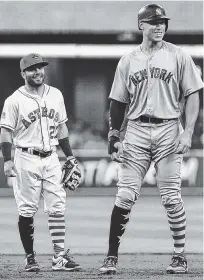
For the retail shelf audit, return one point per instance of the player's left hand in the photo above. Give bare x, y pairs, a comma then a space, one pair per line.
183, 143
71, 174
9, 169
118, 156
115, 148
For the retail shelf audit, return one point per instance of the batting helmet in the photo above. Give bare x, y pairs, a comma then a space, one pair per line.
152, 12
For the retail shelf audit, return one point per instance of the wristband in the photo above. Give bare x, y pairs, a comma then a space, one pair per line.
6, 150
65, 146
114, 133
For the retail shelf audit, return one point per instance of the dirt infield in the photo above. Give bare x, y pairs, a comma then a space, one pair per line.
131, 266
144, 252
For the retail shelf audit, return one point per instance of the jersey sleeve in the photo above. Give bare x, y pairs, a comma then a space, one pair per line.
190, 79
62, 111
9, 115
119, 90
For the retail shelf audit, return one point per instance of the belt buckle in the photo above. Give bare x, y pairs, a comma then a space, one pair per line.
45, 154
42, 155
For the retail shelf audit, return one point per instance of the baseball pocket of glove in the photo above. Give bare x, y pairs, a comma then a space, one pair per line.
71, 174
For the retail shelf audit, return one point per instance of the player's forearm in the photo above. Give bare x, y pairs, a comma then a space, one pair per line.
117, 113
65, 146
63, 139
6, 143
191, 112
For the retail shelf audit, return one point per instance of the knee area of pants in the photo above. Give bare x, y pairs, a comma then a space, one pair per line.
27, 210
126, 199
27, 214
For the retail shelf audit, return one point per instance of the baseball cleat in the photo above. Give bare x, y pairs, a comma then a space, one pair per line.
178, 265
109, 265
30, 263
64, 262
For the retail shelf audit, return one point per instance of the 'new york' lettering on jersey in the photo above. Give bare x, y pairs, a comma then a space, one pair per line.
156, 73
165, 78
33, 119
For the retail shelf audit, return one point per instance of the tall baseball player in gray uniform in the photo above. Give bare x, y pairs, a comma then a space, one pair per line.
154, 80
34, 119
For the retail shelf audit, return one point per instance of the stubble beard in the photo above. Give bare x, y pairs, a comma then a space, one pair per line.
33, 84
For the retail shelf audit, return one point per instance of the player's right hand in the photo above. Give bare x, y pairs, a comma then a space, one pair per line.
183, 143
9, 169
118, 156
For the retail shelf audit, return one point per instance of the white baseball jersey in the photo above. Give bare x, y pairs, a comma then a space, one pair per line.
155, 85
34, 120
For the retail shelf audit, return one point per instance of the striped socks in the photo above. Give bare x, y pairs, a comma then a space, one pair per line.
177, 223
56, 224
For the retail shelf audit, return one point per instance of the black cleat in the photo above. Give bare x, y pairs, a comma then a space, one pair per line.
109, 265
30, 263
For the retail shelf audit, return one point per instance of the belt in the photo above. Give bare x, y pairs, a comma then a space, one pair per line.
146, 119
37, 153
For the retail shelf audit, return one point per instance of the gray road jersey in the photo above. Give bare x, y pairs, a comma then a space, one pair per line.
155, 85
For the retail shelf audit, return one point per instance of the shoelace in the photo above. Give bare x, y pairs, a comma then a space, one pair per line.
31, 259
68, 257
110, 261
179, 260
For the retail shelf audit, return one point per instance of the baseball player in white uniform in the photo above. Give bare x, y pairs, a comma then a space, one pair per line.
155, 81
34, 120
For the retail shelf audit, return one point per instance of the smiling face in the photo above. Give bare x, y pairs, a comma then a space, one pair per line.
34, 75
154, 30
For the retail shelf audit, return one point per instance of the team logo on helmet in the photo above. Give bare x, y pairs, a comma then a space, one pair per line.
35, 56
158, 11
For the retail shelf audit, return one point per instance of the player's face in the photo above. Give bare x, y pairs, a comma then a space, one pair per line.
154, 30
34, 75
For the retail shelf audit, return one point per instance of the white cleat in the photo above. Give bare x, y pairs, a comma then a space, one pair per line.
178, 265
64, 262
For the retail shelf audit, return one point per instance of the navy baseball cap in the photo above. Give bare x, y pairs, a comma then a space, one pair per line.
32, 59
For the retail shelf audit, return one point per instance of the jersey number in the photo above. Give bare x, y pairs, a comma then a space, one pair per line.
53, 131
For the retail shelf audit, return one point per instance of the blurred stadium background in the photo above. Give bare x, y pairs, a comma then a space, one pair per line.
83, 40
